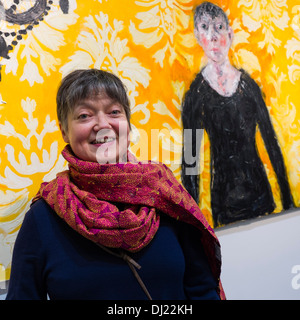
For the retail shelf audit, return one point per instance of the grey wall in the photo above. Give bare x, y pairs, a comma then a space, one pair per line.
259, 255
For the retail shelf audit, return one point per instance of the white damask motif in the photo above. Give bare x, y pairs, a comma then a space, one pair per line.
266, 15
40, 43
28, 105
160, 24
2, 103
242, 57
13, 204
101, 47
172, 138
293, 47
17, 178
294, 158
285, 117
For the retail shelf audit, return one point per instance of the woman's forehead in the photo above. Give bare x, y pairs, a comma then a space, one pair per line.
95, 98
209, 19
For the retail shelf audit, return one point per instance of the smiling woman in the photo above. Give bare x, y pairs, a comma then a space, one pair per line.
76, 239
98, 130
97, 122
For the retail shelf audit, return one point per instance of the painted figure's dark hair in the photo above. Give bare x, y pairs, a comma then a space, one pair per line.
210, 9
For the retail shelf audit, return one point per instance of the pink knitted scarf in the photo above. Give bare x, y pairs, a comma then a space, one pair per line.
119, 205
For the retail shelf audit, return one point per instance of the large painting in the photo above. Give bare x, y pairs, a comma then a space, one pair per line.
265, 45
228, 104
151, 46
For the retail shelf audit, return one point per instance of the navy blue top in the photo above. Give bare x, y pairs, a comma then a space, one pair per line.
240, 188
52, 259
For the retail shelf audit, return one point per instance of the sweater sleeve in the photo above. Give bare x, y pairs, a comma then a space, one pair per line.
26, 280
199, 282
192, 123
273, 148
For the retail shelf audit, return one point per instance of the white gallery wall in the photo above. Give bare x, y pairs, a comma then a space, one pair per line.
261, 258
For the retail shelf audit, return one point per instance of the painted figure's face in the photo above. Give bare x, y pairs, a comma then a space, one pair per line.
214, 37
98, 130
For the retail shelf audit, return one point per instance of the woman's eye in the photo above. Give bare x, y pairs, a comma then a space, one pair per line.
115, 112
83, 116
220, 27
204, 26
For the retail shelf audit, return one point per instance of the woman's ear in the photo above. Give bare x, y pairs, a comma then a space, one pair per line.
64, 133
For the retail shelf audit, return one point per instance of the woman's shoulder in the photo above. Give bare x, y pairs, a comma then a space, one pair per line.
247, 79
34, 228
195, 85
39, 214
39, 208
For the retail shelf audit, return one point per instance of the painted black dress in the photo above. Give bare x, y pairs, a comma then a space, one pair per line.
239, 185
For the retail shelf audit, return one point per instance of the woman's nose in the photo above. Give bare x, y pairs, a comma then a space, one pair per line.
102, 122
214, 37
213, 34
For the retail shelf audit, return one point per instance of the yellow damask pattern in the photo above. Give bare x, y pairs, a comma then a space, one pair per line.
150, 45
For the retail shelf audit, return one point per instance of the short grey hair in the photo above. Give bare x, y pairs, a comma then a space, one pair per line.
83, 83
210, 9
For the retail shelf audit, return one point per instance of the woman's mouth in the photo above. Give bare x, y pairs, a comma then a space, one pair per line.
102, 140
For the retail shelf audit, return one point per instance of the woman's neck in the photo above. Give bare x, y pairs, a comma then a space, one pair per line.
222, 77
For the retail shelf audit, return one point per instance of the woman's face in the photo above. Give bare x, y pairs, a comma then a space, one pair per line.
98, 130
214, 37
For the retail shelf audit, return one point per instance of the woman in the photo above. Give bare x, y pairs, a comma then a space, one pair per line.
228, 104
90, 229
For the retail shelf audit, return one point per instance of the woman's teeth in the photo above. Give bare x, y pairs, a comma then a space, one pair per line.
103, 140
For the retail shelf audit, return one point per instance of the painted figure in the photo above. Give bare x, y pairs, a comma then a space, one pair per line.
228, 104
